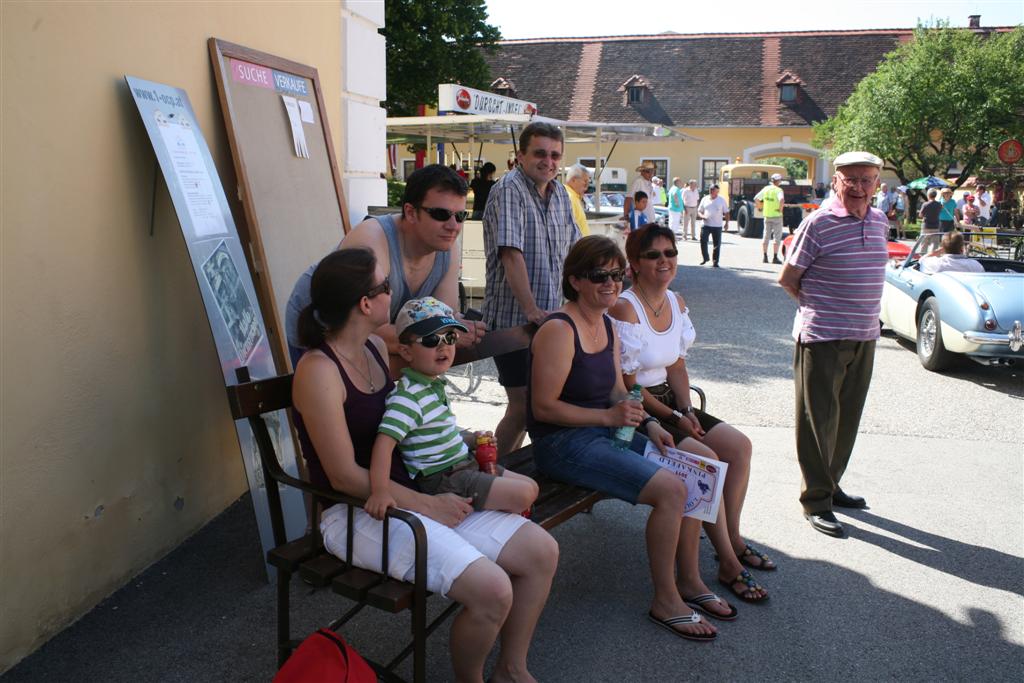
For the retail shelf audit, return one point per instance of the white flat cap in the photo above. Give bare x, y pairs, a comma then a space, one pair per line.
776, 176
857, 159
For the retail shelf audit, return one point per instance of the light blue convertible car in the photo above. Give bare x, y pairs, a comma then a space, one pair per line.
978, 314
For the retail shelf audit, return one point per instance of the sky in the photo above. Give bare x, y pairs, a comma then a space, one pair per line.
558, 19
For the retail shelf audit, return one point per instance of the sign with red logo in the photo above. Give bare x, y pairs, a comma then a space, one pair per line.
1011, 151
464, 100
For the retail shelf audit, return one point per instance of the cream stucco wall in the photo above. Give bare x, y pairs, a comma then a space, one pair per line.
116, 438
685, 157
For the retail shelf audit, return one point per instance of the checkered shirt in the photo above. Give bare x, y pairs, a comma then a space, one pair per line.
516, 216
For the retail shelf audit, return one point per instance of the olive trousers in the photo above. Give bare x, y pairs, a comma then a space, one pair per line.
832, 380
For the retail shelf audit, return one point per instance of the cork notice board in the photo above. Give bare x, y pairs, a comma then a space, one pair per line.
289, 183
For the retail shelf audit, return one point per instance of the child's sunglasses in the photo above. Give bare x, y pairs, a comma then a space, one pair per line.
431, 341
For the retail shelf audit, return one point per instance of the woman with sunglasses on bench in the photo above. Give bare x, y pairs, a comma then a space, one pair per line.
498, 565
655, 332
574, 401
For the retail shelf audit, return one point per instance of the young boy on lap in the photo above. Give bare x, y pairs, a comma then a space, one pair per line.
418, 420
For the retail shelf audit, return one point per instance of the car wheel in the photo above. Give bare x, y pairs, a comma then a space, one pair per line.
930, 349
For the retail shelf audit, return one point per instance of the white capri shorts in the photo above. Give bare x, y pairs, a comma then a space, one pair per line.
449, 551
675, 218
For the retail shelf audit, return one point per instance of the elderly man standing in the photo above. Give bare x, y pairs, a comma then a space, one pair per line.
835, 271
577, 180
528, 230
771, 200
691, 198
643, 184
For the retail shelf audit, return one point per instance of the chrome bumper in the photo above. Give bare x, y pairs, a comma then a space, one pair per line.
1014, 339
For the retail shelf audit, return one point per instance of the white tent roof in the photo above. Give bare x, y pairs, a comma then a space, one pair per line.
500, 127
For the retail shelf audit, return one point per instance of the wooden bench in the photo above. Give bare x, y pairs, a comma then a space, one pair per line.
307, 557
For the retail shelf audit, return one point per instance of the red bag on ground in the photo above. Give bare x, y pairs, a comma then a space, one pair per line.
325, 657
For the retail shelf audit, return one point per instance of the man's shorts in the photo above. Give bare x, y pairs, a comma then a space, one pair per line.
772, 226
513, 368
464, 479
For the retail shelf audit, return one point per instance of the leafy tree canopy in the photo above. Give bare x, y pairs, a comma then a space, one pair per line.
949, 96
795, 168
431, 42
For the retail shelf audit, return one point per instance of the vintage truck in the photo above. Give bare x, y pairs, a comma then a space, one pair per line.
739, 183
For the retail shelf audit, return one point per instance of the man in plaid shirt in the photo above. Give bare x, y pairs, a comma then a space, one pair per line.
528, 230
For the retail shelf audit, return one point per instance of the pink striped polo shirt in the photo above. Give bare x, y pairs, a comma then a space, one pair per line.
843, 259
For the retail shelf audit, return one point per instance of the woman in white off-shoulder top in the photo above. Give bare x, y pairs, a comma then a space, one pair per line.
655, 332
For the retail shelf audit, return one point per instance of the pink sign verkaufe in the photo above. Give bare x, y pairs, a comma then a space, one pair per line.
251, 74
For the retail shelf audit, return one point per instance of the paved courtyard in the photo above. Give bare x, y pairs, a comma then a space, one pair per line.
929, 584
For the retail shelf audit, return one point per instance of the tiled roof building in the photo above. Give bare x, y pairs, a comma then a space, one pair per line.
702, 80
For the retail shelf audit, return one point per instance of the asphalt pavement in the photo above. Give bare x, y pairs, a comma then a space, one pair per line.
928, 585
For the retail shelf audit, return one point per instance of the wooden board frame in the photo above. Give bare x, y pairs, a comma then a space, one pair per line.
253, 230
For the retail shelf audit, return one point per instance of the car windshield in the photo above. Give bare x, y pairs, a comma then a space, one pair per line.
986, 244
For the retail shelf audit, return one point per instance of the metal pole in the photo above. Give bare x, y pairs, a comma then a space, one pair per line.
597, 174
431, 153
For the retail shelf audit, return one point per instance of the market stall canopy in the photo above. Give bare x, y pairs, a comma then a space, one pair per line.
410, 130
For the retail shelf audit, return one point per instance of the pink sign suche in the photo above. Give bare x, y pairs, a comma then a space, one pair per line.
251, 74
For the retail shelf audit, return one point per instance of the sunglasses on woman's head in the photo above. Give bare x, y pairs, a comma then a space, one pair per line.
382, 288
439, 214
431, 341
600, 276
653, 254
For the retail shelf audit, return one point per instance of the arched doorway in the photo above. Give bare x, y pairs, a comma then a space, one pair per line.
817, 167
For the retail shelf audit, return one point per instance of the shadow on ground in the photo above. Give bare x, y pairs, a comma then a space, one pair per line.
206, 612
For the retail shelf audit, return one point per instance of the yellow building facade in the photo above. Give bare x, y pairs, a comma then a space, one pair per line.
117, 441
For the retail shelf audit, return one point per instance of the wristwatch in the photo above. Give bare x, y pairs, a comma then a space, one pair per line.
677, 414
646, 421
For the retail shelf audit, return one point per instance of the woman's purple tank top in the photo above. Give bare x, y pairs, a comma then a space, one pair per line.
589, 384
363, 413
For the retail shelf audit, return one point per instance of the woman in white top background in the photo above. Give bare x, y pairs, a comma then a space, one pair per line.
655, 333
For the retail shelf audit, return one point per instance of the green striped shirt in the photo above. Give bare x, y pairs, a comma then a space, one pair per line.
417, 416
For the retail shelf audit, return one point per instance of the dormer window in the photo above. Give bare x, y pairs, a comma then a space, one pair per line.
504, 87
636, 88
789, 88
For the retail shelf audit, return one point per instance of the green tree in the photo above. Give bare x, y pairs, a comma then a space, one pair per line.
795, 168
431, 42
948, 96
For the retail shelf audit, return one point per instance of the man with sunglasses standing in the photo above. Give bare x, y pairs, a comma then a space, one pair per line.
528, 230
417, 247
835, 271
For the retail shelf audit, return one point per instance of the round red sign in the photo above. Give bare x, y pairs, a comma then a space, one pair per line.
463, 99
1011, 151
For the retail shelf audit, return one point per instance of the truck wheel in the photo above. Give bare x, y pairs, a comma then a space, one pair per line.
742, 219
747, 225
930, 349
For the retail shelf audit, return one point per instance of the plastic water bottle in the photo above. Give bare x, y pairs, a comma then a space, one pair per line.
623, 436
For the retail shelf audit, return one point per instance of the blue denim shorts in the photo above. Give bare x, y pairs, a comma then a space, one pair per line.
588, 457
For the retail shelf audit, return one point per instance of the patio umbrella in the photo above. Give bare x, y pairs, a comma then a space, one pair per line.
927, 182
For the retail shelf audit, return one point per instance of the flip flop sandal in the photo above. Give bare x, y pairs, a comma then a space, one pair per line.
746, 579
699, 601
750, 552
692, 618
